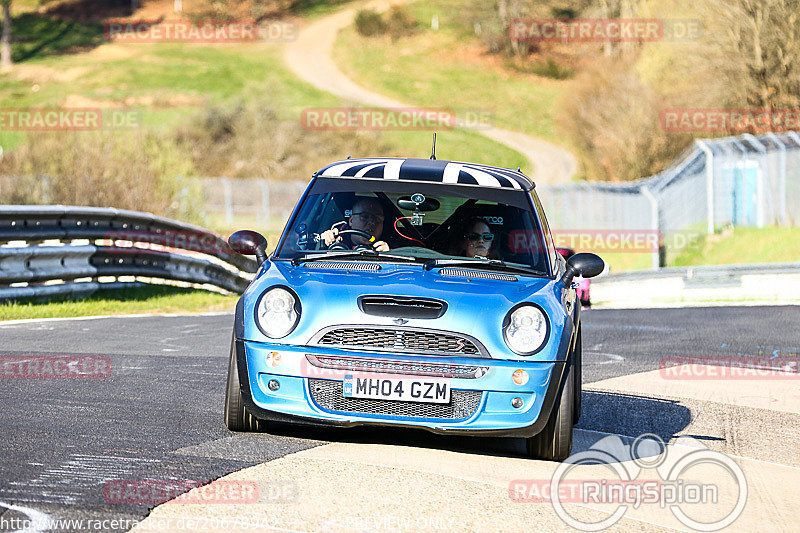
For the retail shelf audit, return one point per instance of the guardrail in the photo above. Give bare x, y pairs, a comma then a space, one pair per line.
696, 285
60, 250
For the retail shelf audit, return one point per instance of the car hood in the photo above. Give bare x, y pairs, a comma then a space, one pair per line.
329, 297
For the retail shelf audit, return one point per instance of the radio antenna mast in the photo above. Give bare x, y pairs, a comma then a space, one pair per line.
433, 149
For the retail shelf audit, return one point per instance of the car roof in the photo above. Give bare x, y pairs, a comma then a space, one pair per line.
427, 170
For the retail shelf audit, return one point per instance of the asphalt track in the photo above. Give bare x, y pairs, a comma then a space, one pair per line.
158, 416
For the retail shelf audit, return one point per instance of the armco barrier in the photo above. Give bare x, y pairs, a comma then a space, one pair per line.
62, 250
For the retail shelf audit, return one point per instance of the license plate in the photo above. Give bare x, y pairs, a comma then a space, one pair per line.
398, 389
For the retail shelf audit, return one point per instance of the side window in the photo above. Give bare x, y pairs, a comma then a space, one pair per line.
551, 248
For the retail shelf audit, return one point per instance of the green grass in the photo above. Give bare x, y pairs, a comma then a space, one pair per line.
38, 36
168, 82
743, 245
149, 299
427, 69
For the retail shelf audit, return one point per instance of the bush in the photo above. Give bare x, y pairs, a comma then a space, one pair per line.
251, 140
612, 118
400, 23
396, 23
128, 170
370, 23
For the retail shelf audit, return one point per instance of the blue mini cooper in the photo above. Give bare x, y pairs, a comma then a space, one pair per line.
412, 292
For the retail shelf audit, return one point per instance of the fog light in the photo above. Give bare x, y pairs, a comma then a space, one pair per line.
517, 403
520, 377
273, 385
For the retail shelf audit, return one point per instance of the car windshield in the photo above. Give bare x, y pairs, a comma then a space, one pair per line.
441, 225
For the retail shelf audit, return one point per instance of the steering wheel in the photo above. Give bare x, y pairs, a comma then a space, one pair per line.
338, 245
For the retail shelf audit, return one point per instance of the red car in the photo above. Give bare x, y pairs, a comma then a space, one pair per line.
583, 283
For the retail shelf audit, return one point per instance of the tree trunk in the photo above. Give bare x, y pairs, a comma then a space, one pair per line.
5, 48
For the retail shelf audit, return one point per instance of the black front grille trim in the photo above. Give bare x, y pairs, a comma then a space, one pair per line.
328, 396
393, 366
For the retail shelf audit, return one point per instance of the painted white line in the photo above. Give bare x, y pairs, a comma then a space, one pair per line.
39, 521
6, 323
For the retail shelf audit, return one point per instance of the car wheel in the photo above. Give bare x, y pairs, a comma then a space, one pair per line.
577, 365
554, 442
236, 416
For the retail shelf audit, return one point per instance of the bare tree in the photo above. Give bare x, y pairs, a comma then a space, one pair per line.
5, 46
759, 41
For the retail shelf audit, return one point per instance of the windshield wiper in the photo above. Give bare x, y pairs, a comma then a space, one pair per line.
371, 255
491, 264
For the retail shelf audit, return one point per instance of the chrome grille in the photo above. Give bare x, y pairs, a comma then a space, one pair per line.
328, 395
399, 340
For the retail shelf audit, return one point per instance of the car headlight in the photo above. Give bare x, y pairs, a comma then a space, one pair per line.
277, 312
525, 329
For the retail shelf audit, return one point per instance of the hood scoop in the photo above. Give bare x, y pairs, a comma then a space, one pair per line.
343, 265
476, 274
402, 306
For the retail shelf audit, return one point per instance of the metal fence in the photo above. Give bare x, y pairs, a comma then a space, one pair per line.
738, 181
734, 181
250, 201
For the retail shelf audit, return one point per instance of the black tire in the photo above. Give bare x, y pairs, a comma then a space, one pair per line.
577, 358
236, 416
554, 442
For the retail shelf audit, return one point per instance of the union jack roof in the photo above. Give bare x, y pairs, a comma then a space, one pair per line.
430, 170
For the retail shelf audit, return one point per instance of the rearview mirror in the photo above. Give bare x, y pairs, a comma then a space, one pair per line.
409, 203
249, 242
584, 264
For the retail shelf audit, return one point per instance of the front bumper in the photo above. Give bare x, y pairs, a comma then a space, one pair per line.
481, 403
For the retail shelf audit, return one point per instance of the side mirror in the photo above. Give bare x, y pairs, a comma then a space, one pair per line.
248, 242
585, 264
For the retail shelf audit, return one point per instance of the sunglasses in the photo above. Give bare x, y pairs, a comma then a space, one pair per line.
487, 237
368, 218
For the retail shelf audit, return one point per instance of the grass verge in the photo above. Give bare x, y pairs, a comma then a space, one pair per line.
743, 245
148, 299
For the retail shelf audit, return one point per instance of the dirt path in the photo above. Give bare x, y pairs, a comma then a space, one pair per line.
310, 57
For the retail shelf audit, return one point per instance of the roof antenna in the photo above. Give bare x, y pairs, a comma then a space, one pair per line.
433, 150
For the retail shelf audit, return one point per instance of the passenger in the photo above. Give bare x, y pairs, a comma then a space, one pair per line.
367, 216
476, 239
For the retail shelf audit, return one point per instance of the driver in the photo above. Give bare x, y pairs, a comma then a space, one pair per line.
366, 216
